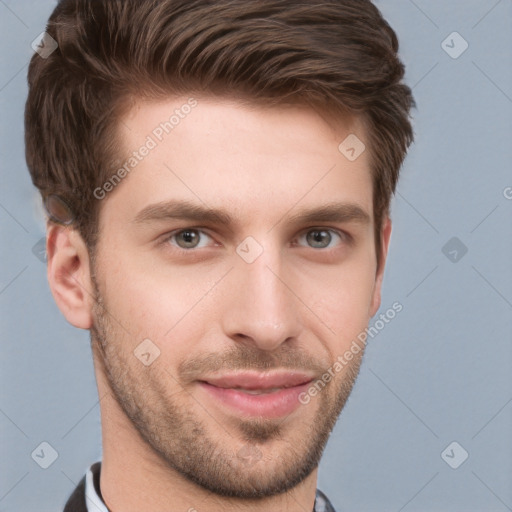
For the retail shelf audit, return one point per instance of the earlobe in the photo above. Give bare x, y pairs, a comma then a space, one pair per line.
385, 236
69, 274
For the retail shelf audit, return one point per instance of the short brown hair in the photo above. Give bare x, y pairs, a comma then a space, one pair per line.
340, 56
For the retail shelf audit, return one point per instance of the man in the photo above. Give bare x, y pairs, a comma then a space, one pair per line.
217, 177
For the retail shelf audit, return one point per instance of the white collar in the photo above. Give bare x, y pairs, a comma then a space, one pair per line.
93, 502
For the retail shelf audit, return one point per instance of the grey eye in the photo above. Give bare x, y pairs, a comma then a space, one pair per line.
187, 238
319, 238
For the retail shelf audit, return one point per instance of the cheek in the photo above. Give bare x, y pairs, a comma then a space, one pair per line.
167, 309
343, 302
139, 303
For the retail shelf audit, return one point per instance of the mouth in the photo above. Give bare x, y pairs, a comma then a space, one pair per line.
257, 391
250, 394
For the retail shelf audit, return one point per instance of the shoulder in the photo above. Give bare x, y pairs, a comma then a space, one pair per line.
322, 503
77, 502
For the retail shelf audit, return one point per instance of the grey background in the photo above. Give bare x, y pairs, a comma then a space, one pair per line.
441, 371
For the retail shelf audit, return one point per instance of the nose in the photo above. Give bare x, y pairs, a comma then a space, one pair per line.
263, 308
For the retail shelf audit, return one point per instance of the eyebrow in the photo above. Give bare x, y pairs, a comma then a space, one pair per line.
185, 210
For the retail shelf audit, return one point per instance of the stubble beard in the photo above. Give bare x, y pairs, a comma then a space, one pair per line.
185, 443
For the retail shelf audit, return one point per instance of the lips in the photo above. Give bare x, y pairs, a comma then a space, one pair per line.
268, 394
260, 381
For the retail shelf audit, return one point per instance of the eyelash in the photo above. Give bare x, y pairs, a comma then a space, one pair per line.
344, 237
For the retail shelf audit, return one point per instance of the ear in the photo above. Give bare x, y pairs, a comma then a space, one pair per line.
385, 235
69, 274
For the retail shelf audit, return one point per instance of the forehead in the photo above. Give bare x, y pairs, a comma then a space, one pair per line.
250, 159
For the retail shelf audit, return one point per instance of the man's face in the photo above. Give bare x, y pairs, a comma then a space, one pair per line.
243, 315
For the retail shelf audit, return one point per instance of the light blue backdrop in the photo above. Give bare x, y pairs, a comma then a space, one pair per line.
440, 372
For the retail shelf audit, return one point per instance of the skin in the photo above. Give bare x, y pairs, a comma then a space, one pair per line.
297, 306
